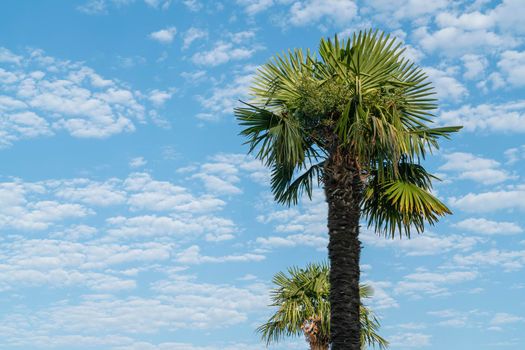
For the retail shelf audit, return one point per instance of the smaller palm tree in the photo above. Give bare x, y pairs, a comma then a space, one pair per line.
303, 307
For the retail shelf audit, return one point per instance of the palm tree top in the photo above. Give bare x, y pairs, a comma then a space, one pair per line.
358, 98
302, 295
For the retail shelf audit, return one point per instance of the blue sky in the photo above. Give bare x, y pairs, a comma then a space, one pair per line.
131, 218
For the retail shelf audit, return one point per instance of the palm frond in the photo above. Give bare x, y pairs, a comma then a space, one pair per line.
360, 97
288, 188
302, 294
402, 202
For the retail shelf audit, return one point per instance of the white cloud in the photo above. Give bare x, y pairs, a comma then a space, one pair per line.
507, 117
490, 201
75, 233
7, 56
507, 15
44, 95
457, 319
223, 99
222, 175
253, 7
421, 245
35, 262
223, 52
432, 283
413, 54
149, 194
381, 299
515, 154
42, 205
471, 167
164, 36
89, 192
311, 11
512, 64
507, 260
447, 87
489, 227
410, 340
162, 4
193, 5
392, 11
182, 227
92, 7
19, 212
192, 255
137, 162
216, 184
22, 125
505, 318
159, 97
194, 77
309, 240
470, 21
192, 35
309, 218
475, 66
455, 41
179, 304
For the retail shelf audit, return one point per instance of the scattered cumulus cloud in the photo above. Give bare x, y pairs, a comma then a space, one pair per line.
238, 47
432, 283
512, 65
164, 36
159, 4
454, 41
506, 117
253, 7
311, 11
46, 95
508, 260
484, 226
447, 86
490, 201
159, 97
505, 318
193, 5
394, 11
192, 255
422, 245
515, 154
222, 99
475, 66
137, 162
471, 167
193, 34
410, 340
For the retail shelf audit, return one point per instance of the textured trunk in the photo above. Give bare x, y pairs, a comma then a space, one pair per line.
343, 189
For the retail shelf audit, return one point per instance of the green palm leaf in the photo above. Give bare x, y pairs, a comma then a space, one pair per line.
403, 201
301, 294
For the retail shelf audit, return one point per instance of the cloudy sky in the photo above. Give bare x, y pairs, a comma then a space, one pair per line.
131, 218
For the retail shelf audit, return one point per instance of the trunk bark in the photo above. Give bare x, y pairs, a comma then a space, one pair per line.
343, 188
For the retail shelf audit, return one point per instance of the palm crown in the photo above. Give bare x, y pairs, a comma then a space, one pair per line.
360, 96
303, 307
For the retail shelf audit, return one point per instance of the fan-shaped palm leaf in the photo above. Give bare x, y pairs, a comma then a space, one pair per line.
302, 295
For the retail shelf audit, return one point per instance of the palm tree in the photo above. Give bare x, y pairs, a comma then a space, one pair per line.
357, 119
302, 298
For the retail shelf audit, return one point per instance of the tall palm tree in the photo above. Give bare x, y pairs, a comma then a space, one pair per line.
357, 119
303, 307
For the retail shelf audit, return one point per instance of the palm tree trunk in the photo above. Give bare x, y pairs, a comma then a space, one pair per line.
343, 189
